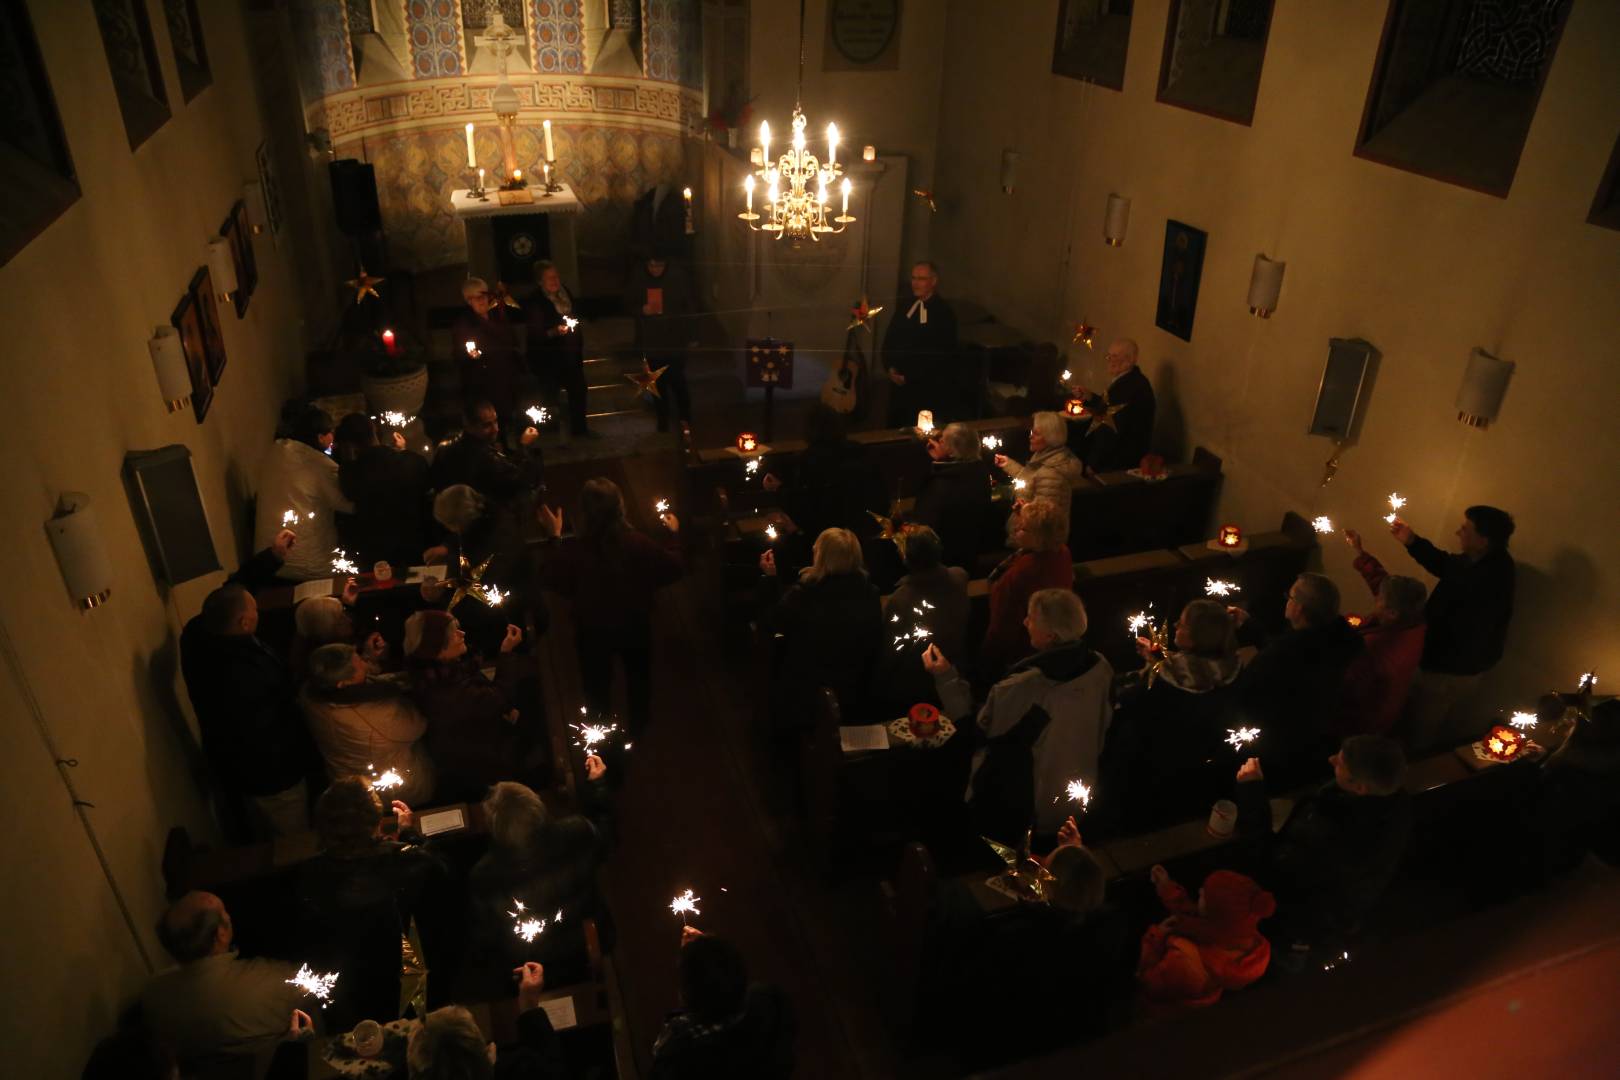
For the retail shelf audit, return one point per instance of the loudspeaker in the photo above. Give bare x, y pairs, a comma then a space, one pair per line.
169, 513
354, 196
1343, 379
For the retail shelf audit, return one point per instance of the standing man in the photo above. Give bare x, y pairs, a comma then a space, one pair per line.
1119, 423
1468, 614
485, 345
660, 297
919, 349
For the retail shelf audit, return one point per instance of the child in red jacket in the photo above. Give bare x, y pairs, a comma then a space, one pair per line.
1203, 949
1377, 681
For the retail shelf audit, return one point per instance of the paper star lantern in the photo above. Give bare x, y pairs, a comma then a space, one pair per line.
470, 582
927, 197
1108, 418
646, 380
1084, 334
501, 296
364, 284
862, 314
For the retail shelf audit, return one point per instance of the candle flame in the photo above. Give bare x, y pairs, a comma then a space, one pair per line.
1523, 720
685, 904
317, 985
1323, 524
1237, 738
1217, 587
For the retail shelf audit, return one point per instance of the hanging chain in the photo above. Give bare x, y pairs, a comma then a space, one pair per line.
798, 93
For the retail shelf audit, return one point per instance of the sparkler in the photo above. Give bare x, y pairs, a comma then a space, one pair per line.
342, 564
494, 596
1587, 683
1077, 791
751, 467
770, 533
991, 442
525, 925
1524, 721
1396, 501
1139, 623
570, 322
289, 519
317, 985
1323, 524
1019, 483
661, 507
918, 631
1217, 587
1067, 375
684, 905
592, 734
1238, 738
472, 349
395, 419
387, 781
537, 413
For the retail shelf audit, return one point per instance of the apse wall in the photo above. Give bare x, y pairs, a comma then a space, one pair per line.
1423, 269
620, 81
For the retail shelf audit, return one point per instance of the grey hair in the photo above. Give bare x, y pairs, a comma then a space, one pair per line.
1051, 427
1404, 596
1060, 612
473, 285
1131, 348
331, 664
192, 938
960, 440
836, 551
1318, 598
457, 507
515, 814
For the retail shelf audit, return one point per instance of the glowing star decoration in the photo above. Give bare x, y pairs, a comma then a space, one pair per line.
1238, 738
646, 380
570, 324
770, 533
927, 197
1109, 417
364, 284
342, 564
395, 419
1323, 524
862, 314
501, 296
1084, 334
469, 581
685, 904
1524, 721
590, 736
537, 413
316, 985
525, 925
1217, 587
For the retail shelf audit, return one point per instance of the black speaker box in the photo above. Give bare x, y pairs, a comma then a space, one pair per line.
354, 196
169, 513
1345, 381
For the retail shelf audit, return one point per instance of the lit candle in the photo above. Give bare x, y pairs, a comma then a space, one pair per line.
832, 144
765, 140
746, 442
798, 140
844, 187
551, 155
545, 172
388, 341
686, 193
480, 179
869, 153
770, 193
517, 175
925, 420
748, 191
821, 194
472, 158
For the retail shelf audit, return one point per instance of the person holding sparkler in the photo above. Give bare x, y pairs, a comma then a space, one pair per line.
486, 349
478, 459
1378, 682
1052, 472
955, 499
477, 532
833, 483
1118, 426
726, 1026
388, 486
1041, 561
556, 345
297, 477
933, 595
365, 725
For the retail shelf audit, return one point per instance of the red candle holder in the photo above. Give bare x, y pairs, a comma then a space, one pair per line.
1502, 743
924, 720
1074, 407
747, 442
1230, 536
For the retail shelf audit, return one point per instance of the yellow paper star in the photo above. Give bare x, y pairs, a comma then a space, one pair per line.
363, 284
500, 295
469, 582
927, 197
1084, 332
863, 315
646, 380
1107, 418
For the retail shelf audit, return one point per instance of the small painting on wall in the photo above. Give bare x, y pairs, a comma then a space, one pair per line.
187, 322
202, 289
239, 233
1178, 278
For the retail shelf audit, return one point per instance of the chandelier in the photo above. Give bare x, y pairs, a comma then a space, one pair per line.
797, 186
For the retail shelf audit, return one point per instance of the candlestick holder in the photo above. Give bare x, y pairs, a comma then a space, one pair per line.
477, 190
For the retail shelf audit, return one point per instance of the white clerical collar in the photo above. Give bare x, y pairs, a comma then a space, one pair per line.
920, 309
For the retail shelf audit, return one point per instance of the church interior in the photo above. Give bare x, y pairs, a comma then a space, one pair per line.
909, 538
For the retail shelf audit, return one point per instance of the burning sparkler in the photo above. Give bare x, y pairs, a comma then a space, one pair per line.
1077, 791
472, 349
751, 467
1524, 721
684, 905
1217, 587
991, 442
1396, 501
387, 781
1019, 483
1238, 738
661, 507
918, 631
289, 518
570, 323
494, 596
1323, 524
1140, 624
342, 564
525, 925
770, 533
590, 735
1067, 376
317, 985
1587, 684
537, 413
395, 419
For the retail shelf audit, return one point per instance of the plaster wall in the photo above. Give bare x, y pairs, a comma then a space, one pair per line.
1422, 269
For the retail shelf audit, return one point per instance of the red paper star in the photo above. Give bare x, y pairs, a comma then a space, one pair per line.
927, 197
364, 283
646, 380
1084, 332
862, 314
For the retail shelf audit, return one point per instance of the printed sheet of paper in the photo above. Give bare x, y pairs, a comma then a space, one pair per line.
304, 590
560, 1011
426, 573
441, 821
858, 737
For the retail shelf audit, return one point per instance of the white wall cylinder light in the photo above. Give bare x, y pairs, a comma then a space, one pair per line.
1484, 385
79, 552
1115, 219
1265, 286
1009, 171
169, 359
222, 267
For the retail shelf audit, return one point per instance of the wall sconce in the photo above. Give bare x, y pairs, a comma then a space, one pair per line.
1115, 218
1265, 285
1009, 171
169, 359
747, 442
85, 566
258, 210
868, 153
1484, 384
222, 268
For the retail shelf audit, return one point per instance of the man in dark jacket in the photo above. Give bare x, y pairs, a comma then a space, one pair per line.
726, 1026
1340, 847
478, 459
1467, 615
246, 702
1290, 688
388, 487
1119, 422
663, 302
919, 349
955, 499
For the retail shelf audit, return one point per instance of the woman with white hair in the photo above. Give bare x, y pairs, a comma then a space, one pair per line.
363, 726
1052, 472
955, 499
485, 346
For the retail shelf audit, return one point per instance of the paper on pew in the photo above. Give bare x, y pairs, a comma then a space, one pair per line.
560, 1011
858, 737
440, 821
306, 590
425, 573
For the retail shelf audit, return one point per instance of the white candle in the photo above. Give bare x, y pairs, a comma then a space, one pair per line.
545, 170
472, 159
517, 174
832, 144
844, 187
480, 179
686, 193
765, 141
748, 190
551, 155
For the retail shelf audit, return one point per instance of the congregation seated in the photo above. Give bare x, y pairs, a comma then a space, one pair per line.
329, 620
1052, 472
1206, 949
298, 477
477, 534
725, 1025
1040, 561
1290, 689
549, 865
388, 486
480, 460
359, 896
1118, 426
1341, 845
833, 482
1165, 760
954, 500
1042, 726
448, 1045
216, 1004
365, 725
247, 707
473, 732
931, 595
831, 622
1378, 681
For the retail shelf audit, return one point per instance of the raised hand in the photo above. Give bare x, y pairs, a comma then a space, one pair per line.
282, 545
551, 521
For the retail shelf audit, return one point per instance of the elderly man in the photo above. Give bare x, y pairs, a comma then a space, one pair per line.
1044, 723
216, 1004
1119, 422
246, 706
919, 349
1052, 472
448, 1042
485, 343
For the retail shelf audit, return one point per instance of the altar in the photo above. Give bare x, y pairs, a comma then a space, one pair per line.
505, 238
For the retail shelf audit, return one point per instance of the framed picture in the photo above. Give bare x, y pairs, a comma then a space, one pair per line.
187, 322
239, 233
1178, 278
270, 187
202, 288
1093, 37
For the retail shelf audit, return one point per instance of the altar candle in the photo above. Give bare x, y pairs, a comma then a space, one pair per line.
545, 170
551, 155
472, 158
480, 179
517, 174
686, 193
832, 144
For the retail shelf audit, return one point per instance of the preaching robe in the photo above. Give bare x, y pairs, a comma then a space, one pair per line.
925, 353
1104, 449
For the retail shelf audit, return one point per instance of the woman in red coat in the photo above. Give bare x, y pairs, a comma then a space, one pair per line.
1207, 948
1041, 562
1378, 680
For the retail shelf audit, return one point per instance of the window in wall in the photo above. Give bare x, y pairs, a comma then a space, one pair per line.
127, 36
1213, 51
37, 181
1455, 87
1092, 36
190, 57
1606, 207
475, 20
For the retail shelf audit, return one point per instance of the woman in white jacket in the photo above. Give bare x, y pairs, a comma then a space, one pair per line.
1052, 472
299, 478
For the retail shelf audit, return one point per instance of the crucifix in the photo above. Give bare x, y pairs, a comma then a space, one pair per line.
501, 38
